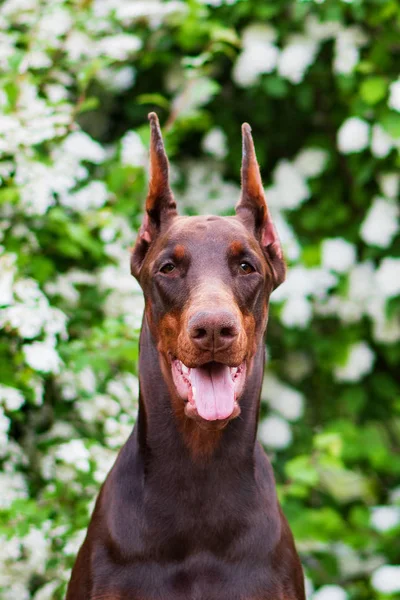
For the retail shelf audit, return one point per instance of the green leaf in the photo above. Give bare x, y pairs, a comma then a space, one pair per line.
156, 99
301, 470
373, 90
390, 121
345, 485
275, 86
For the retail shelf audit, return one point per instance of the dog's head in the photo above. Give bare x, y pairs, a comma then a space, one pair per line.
207, 282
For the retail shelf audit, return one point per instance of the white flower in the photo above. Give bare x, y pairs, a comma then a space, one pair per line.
11, 134
348, 42
298, 365
35, 59
119, 46
321, 30
37, 387
330, 592
81, 146
282, 398
104, 459
381, 223
256, 59
297, 312
289, 189
360, 278
34, 314
389, 184
388, 277
11, 397
360, 360
386, 579
353, 135
121, 391
116, 432
346, 309
394, 97
308, 587
87, 380
386, 330
381, 142
117, 79
93, 195
196, 92
394, 495
303, 282
78, 45
286, 234
28, 291
56, 92
6, 169
35, 181
12, 486
4, 427
47, 591
347, 56
258, 33
17, 589
275, 432
74, 542
351, 564
296, 57
112, 278
42, 356
311, 162
338, 254
7, 274
36, 549
214, 142
152, 10
98, 407
74, 453
133, 151
54, 24
384, 518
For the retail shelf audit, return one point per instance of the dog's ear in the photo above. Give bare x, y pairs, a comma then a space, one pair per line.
253, 211
160, 203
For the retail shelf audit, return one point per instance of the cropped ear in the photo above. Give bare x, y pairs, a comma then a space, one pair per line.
253, 211
160, 202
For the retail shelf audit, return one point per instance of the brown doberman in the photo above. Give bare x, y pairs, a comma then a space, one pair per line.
189, 510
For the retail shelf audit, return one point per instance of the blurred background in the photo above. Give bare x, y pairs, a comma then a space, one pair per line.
319, 81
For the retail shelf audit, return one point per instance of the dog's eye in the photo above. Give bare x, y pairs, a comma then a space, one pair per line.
168, 268
246, 268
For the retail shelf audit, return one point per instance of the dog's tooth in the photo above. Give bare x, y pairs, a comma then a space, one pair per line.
194, 392
185, 369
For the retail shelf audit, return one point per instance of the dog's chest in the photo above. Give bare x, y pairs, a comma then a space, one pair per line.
199, 578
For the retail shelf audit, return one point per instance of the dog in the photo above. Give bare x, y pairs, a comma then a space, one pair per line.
189, 510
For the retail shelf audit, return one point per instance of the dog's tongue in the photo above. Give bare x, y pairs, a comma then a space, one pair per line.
213, 391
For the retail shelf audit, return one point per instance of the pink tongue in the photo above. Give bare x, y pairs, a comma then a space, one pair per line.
213, 391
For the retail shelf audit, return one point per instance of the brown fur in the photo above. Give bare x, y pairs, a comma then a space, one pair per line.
189, 511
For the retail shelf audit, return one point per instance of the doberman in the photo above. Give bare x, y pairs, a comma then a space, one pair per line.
189, 511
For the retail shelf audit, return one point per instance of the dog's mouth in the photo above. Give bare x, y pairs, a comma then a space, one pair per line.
211, 391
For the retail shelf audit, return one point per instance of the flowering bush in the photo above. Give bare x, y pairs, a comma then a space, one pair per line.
318, 82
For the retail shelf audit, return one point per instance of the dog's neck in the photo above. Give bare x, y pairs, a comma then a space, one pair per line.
164, 436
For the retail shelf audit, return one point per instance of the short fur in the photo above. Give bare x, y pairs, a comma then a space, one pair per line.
189, 511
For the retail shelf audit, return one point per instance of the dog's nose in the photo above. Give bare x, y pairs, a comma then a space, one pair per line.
215, 330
